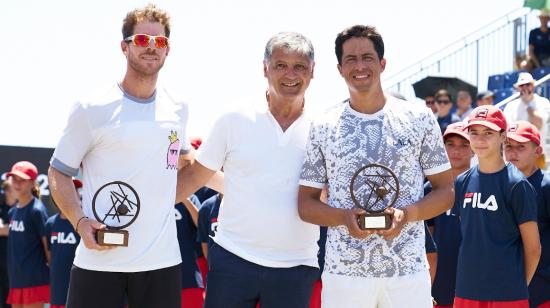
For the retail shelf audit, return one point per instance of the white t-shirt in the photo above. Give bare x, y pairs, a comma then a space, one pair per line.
403, 137
516, 110
258, 219
116, 137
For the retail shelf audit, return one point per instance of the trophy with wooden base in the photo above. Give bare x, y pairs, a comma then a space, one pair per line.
374, 188
116, 205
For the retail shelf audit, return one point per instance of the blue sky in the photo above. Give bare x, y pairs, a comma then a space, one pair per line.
57, 51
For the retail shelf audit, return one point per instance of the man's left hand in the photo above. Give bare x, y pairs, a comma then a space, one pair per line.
397, 222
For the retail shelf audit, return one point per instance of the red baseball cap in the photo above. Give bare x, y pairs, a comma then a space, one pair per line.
25, 170
457, 129
489, 116
523, 131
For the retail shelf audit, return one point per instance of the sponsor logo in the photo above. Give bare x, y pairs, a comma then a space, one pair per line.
17, 226
63, 238
402, 142
490, 204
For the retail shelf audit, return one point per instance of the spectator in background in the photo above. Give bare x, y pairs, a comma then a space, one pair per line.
62, 243
530, 107
430, 103
539, 42
485, 98
27, 246
463, 104
444, 105
9, 201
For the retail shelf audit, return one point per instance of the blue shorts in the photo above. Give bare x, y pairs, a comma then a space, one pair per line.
233, 282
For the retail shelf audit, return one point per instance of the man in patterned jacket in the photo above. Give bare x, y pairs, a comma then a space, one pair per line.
373, 268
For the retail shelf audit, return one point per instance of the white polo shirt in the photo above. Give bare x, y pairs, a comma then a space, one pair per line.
258, 219
116, 137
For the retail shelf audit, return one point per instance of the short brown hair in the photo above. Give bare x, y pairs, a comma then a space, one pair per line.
149, 13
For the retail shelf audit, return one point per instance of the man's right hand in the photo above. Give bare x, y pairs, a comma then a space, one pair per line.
351, 223
87, 230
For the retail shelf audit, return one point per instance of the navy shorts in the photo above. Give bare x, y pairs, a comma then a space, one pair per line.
233, 282
157, 288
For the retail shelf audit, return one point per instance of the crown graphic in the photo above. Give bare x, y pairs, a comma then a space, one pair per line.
173, 136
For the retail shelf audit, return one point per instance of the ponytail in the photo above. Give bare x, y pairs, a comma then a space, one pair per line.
36, 190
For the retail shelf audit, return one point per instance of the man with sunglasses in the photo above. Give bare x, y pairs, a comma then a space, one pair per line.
135, 134
430, 103
530, 107
444, 114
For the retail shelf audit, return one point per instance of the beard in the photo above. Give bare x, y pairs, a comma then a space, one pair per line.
141, 67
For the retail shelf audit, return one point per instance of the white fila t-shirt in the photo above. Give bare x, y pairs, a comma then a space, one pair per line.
128, 151
258, 219
402, 136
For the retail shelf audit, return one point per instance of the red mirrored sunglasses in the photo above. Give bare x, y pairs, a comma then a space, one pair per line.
143, 40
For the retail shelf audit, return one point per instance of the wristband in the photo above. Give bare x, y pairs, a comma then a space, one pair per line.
78, 222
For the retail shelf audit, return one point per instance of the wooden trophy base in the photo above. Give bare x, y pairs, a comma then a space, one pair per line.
108, 237
374, 221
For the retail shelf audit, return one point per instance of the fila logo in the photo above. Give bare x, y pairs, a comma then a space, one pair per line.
17, 226
62, 238
490, 203
512, 128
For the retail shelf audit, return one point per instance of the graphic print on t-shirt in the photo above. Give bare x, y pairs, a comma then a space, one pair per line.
173, 149
403, 137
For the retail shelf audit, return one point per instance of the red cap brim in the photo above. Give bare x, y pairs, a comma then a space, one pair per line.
463, 135
487, 124
19, 174
518, 138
